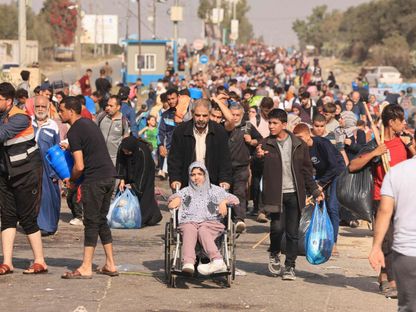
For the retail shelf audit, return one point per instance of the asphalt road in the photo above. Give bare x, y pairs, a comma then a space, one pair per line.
69, 73
346, 283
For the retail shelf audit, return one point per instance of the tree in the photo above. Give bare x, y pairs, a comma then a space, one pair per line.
245, 27
8, 21
312, 31
62, 19
38, 27
382, 32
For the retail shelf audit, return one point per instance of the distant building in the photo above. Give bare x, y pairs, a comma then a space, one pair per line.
9, 52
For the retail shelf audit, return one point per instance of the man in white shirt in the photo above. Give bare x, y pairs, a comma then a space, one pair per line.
397, 198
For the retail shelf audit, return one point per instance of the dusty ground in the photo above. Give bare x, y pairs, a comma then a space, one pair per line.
342, 284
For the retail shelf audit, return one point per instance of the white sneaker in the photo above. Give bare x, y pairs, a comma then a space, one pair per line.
240, 227
214, 266
76, 221
188, 268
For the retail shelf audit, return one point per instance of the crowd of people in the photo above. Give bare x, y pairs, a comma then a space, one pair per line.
258, 122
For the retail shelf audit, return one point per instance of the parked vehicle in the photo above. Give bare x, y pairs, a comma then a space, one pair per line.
383, 74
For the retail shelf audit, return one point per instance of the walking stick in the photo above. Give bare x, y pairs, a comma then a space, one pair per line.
384, 158
261, 240
308, 201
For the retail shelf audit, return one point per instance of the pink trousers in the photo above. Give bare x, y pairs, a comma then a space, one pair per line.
206, 233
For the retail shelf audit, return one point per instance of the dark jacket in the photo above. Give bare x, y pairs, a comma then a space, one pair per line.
240, 151
182, 153
272, 174
130, 114
166, 127
326, 160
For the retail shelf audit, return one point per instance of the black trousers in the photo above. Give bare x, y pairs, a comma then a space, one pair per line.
286, 222
71, 200
256, 175
386, 247
96, 199
404, 268
20, 200
239, 189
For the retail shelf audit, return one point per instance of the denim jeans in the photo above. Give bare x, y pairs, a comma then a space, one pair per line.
286, 222
333, 206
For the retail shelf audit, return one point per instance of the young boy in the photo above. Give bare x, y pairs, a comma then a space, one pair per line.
287, 175
319, 128
328, 164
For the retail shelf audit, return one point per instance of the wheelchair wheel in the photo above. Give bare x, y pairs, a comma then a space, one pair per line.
232, 252
168, 251
172, 281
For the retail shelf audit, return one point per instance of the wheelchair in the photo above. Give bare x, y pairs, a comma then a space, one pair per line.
173, 250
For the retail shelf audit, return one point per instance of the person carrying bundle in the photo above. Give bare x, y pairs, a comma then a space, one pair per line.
397, 147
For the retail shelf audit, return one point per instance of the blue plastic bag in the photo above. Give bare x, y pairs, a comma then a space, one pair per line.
125, 211
319, 238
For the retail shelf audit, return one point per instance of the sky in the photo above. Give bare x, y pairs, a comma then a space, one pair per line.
270, 18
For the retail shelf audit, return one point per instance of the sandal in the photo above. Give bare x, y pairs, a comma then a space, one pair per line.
391, 293
104, 271
36, 268
383, 286
75, 275
5, 269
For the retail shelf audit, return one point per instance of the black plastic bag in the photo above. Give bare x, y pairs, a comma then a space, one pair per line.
355, 192
305, 220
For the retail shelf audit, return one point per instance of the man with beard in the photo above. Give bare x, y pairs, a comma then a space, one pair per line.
113, 125
20, 174
242, 141
46, 136
201, 140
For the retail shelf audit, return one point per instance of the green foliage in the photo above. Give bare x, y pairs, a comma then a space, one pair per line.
380, 33
37, 27
8, 21
245, 27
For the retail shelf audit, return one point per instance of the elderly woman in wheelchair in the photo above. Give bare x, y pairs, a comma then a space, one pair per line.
202, 205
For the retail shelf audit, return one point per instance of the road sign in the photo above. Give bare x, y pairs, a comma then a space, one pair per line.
203, 59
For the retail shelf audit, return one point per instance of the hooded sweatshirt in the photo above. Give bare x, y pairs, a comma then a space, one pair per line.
200, 203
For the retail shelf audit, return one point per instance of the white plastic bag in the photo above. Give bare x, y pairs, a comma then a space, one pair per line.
125, 211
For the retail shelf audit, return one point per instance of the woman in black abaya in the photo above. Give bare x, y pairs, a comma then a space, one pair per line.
135, 166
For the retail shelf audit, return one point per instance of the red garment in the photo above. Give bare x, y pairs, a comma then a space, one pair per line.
85, 85
396, 153
86, 113
30, 106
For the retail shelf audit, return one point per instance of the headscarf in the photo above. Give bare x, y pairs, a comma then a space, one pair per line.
200, 203
130, 162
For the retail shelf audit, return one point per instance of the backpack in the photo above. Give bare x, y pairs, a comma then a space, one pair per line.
124, 122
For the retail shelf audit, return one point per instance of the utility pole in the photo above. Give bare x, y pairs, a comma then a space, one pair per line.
140, 61
22, 33
154, 19
78, 53
127, 20
175, 25
218, 41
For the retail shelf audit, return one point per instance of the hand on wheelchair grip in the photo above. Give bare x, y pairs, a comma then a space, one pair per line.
175, 203
222, 209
